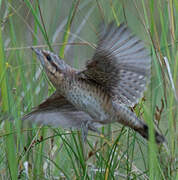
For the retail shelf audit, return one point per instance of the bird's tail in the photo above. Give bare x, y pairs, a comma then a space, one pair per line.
143, 130
128, 118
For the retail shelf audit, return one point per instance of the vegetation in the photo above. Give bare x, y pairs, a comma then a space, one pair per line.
70, 28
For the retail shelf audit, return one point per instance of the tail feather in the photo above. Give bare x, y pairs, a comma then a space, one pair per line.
128, 118
144, 132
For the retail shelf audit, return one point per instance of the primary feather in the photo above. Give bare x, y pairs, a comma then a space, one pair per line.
121, 64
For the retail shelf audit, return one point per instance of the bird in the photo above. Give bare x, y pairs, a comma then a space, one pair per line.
113, 80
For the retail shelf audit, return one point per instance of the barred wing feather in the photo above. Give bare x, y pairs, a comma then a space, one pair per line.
121, 64
57, 111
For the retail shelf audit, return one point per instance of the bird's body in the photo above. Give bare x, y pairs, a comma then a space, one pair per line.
90, 98
113, 80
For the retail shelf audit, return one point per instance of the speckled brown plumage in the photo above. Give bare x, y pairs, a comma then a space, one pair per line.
114, 79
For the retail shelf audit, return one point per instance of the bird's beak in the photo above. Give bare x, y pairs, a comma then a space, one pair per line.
37, 51
39, 54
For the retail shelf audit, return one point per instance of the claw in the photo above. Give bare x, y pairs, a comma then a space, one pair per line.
93, 128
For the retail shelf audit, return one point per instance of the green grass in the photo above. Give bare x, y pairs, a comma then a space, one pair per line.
29, 151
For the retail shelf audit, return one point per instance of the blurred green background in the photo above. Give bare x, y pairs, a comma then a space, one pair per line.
70, 28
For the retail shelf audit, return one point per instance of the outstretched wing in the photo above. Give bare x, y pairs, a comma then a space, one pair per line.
57, 111
121, 64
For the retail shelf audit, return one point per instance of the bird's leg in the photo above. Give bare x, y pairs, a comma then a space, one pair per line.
84, 129
85, 126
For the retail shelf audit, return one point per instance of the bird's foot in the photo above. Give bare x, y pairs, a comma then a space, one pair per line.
85, 126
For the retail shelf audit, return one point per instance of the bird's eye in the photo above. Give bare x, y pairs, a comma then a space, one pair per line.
48, 57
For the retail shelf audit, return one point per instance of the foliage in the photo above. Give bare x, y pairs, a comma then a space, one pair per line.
70, 29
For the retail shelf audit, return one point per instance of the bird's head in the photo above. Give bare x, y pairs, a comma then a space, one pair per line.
55, 67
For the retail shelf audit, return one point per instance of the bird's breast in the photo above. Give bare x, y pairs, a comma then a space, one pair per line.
91, 99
